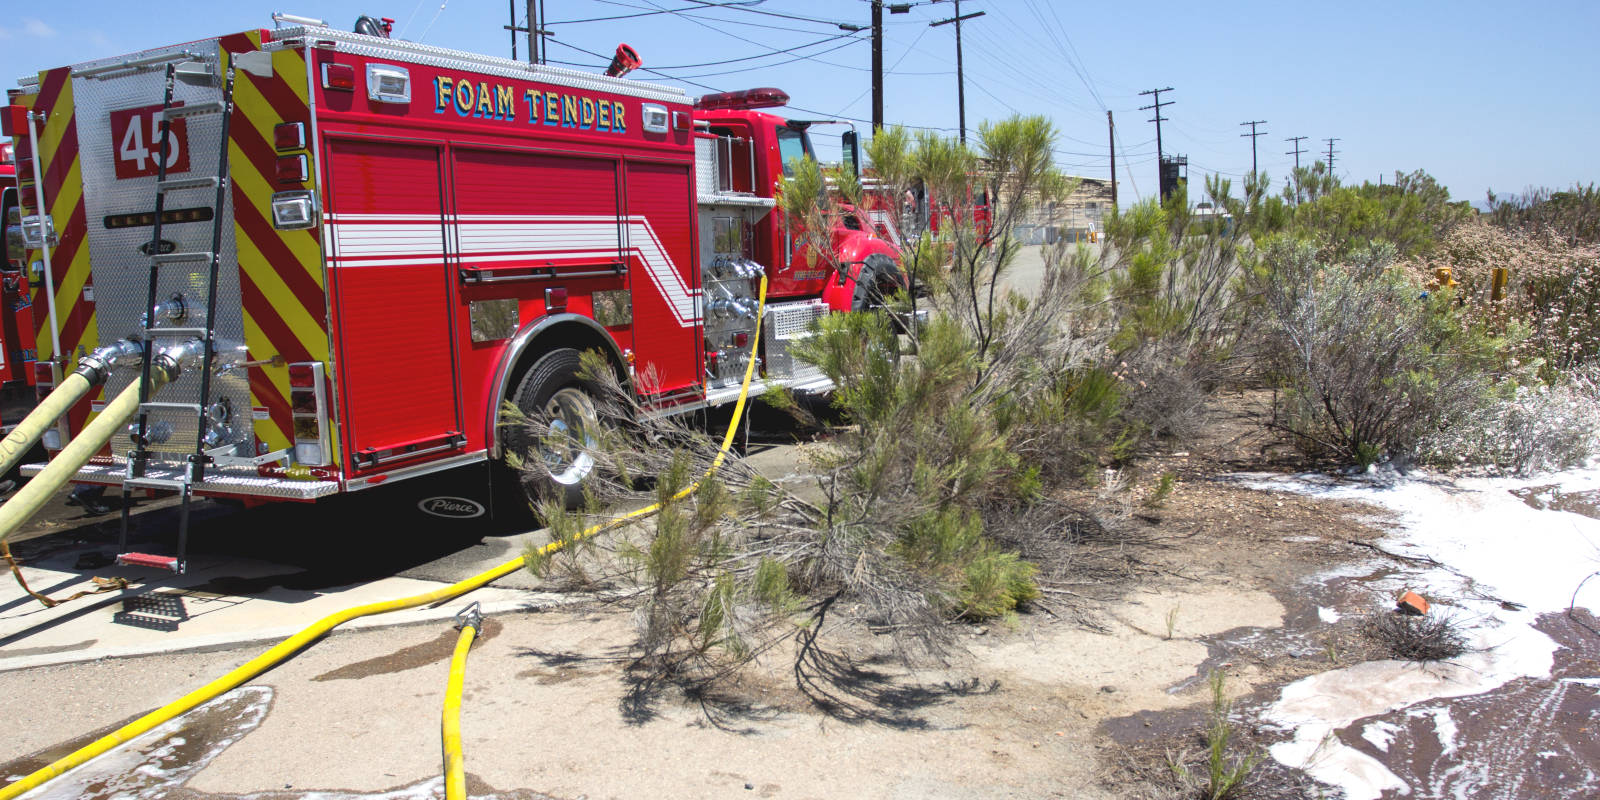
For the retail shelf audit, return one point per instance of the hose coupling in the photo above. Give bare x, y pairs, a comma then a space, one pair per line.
97, 366
471, 616
228, 355
178, 358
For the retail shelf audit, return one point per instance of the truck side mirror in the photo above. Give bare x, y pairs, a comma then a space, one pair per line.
851, 145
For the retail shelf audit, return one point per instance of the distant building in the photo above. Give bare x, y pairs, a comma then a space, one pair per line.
1073, 217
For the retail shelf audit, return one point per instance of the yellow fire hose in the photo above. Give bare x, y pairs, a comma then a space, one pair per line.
22, 438
316, 630
455, 776
26, 502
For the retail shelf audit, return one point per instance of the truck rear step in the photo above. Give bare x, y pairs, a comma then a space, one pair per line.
170, 563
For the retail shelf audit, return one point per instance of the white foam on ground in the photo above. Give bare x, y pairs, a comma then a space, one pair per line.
149, 766
1444, 727
1493, 547
1380, 734
1327, 615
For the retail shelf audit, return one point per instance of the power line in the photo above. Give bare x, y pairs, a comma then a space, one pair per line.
641, 69
890, 71
765, 55
797, 58
1330, 154
692, 13
707, 26
745, 8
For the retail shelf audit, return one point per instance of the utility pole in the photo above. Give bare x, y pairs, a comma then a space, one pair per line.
512, 6
535, 33
1330, 154
1162, 182
1252, 134
535, 40
877, 65
1296, 151
1158, 118
961, 82
1111, 135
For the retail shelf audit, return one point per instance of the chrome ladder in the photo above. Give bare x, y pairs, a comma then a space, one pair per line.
194, 469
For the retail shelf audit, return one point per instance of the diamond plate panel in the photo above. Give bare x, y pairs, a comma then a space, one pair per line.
121, 272
219, 480
786, 322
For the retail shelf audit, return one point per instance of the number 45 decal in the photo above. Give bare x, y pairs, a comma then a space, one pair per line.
136, 142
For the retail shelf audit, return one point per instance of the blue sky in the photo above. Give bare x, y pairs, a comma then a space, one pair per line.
1481, 95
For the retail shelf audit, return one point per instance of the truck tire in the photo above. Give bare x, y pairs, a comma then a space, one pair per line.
552, 391
879, 278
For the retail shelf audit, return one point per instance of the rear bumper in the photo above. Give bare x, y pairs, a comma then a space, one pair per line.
219, 482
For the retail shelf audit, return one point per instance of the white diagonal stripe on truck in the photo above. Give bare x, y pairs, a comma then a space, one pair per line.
377, 240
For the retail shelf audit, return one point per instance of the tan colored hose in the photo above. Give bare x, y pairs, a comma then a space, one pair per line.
30, 498
22, 438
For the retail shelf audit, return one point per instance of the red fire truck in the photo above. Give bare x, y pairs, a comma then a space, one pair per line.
16, 301
355, 249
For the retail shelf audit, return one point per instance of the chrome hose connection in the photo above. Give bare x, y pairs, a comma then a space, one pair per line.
228, 355
173, 309
98, 365
176, 359
186, 355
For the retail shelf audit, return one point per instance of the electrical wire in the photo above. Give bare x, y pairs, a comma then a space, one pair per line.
644, 13
409, 18
766, 13
687, 13
607, 59
755, 68
436, 14
764, 55
707, 26
890, 71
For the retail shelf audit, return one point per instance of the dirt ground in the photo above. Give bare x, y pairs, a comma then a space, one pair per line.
1081, 696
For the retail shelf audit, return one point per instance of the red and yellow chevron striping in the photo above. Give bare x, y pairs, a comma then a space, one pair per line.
63, 195
280, 272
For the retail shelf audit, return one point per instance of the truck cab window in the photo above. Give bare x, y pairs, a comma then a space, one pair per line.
792, 144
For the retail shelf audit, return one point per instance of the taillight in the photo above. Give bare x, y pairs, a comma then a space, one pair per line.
14, 121
309, 407
289, 136
292, 169
339, 76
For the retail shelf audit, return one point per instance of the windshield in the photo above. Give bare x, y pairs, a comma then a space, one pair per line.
792, 144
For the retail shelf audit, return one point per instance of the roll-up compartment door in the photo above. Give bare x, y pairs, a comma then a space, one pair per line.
662, 275
391, 288
549, 211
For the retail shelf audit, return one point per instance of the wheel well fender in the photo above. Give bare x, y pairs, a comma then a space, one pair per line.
532, 342
840, 292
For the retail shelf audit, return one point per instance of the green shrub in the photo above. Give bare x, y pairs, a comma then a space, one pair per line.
1367, 363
